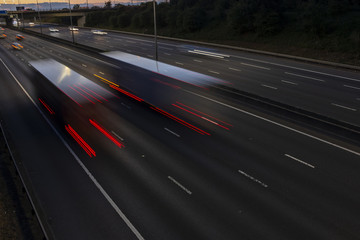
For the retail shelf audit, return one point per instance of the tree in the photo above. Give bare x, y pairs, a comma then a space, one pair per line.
194, 19
76, 6
107, 4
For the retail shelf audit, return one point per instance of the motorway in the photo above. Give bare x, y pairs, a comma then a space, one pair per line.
320, 89
219, 171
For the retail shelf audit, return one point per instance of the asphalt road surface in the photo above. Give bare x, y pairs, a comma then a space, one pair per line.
206, 168
320, 89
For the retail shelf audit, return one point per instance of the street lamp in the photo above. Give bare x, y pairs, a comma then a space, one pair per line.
155, 31
71, 25
22, 14
37, 3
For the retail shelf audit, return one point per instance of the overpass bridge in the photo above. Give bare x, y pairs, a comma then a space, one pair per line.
79, 16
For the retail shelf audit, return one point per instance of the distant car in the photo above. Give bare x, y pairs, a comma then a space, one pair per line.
17, 46
73, 29
53, 29
19, 37
99, 32
31, 24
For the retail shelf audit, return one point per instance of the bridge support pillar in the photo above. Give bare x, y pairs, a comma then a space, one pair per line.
81, 21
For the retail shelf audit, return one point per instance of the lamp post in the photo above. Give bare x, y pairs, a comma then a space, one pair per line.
155, 31
71, 25
37, 3
22, 15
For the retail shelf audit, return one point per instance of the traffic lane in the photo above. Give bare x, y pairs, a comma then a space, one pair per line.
61, 186
340, 184
167, 208
250, 157
212, 231
195, 218
226, 174
222, 208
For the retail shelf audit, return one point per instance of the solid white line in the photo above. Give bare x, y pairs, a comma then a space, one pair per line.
235, 69
298, 75
117, 136
251, 65
269, 86
102, 73
167, 54
92, 178
214, 72
197, 60
289, 82
83, 65
179, 63
348, 86
341, 106
294, 158
172, 132
278, 124
252, 178
181, 186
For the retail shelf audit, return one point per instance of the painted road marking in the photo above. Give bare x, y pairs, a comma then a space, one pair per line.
172, 132
196, 60
298, 160
125, 105
253, 179
214, 72
348, 86
341, 106
256, 66
275, 88
117, 136
289, 82
179, 63
235, 69
181, 186
298, 75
